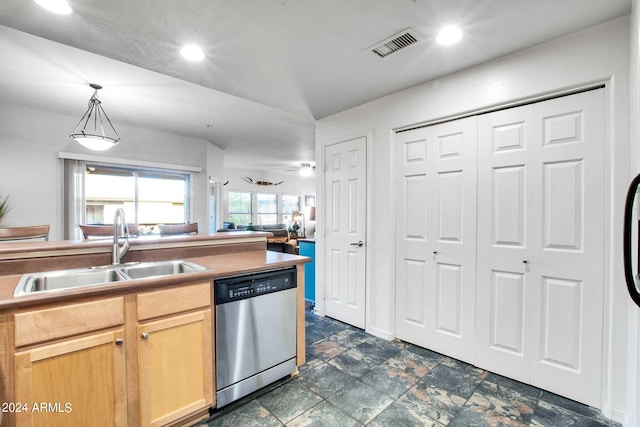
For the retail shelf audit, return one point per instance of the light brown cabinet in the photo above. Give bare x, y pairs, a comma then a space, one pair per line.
175, 354
139, 359
73, 383
74, 380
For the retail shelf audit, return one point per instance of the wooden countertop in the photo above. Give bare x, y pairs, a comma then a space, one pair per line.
219, 266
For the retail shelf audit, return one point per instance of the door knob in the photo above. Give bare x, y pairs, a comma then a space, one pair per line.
358, 244
119, 341
144, 336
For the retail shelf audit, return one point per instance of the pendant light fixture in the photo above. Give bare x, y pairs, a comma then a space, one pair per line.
91, 131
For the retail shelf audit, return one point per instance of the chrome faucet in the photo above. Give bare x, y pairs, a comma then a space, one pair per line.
120, 229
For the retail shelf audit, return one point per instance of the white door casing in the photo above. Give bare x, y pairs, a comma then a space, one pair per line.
436, 220
345, 172
541, 244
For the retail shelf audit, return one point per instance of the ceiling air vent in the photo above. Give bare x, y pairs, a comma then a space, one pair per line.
395, 43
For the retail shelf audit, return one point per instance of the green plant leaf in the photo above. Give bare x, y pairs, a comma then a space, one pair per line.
4, 208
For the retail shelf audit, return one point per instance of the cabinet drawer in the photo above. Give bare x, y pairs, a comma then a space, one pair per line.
174, 300
58, 322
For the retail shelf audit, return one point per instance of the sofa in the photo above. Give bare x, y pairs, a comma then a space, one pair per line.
278, 230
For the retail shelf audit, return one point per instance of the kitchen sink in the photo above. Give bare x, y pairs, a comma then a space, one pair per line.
160, 268
65, 279
91, 276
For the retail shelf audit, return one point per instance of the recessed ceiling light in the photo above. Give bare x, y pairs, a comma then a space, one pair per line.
192, 53
449, 35
61, 7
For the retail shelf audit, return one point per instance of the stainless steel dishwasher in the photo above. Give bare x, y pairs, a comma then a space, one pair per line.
255, 332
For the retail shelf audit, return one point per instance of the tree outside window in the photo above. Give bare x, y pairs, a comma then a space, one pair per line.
267, 208
239, 208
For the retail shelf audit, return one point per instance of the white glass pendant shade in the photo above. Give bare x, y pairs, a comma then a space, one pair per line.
94, 142
95, 130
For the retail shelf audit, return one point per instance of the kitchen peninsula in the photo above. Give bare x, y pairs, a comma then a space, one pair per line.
128, 353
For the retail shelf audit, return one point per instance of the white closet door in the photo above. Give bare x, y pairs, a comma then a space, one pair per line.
435, 229
505, 225
568, 269
453, 225
414, 248
541, 244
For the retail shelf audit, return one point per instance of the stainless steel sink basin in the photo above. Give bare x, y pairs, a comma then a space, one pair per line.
81, 277
64, 279
160, 268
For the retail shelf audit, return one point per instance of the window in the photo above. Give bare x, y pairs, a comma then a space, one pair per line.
290, 204
148, 197
262, 208
267, 209
240, 208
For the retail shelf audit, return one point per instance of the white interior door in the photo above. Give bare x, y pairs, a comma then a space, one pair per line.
541, 244
345, 231
435, 247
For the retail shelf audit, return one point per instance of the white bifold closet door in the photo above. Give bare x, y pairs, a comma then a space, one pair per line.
541, 244
436, 237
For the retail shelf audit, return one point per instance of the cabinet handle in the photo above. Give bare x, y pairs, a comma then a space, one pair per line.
435, 252
358, 244
119, 341
144, 336
524, 261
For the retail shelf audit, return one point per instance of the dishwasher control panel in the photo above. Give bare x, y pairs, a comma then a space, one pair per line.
252, 285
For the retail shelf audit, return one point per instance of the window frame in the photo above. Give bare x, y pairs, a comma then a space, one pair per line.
141, 172
289, 215
251, 208
259, 214
281, 215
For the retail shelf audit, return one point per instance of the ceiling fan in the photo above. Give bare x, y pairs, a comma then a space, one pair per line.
305, 169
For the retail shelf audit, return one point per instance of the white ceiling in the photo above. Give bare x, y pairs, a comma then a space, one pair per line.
273, 67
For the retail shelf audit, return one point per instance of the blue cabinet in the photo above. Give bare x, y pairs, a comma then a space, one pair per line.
308, 249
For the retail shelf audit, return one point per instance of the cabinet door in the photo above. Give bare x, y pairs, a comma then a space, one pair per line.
175, 364
77, 382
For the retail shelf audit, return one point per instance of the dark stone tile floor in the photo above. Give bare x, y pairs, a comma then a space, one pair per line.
352, 378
